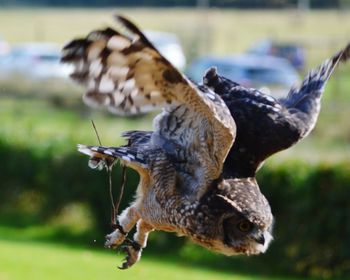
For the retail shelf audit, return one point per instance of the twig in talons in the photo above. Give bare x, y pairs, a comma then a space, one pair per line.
98, 137
114, 211
109, 166
122, 187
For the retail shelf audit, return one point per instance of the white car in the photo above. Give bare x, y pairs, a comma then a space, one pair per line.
42, 60
34, 61
168, 45
4, 47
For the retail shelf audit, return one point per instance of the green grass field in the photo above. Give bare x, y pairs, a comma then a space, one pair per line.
32, 260
24, 258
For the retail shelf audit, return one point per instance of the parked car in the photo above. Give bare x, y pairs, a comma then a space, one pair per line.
42, 60
270, 74
4, 47
168, 45
34, 61
290, 51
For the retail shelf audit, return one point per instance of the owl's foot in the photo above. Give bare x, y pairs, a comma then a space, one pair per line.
133, 251
116, 238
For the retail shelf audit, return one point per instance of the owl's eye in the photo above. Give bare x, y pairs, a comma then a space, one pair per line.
244, 226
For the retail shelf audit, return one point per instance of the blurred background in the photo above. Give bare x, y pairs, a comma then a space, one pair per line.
55, 211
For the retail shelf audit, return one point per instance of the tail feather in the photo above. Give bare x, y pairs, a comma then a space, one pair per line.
106, 156
137, 137
307, 98
97, 160
315, 81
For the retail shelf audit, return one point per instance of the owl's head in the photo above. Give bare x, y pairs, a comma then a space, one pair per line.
239, 218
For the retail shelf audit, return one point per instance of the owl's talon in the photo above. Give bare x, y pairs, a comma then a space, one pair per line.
133, 251
123, 266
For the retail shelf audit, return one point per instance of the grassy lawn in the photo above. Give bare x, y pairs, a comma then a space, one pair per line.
35, 260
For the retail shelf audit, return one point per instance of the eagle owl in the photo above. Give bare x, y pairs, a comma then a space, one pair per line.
197, 167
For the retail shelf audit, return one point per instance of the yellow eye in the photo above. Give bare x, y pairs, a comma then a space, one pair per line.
244, 226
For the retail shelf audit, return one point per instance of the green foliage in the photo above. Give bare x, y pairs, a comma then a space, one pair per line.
48, 182
310, 204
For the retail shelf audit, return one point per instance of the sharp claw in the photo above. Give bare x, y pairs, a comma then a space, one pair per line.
124, 266
125, 263
129, 260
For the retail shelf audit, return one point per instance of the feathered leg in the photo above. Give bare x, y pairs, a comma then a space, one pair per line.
126, 222
134, 248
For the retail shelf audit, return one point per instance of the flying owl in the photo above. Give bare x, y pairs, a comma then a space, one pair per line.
197, 167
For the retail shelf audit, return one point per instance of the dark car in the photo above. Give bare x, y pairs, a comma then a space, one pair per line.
290, 51
269, 74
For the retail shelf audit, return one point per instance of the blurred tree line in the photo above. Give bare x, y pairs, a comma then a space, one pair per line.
185, 3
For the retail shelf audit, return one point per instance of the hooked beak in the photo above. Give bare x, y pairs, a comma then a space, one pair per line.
260, 239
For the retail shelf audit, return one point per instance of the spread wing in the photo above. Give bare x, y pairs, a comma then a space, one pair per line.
126, 74
266, 125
